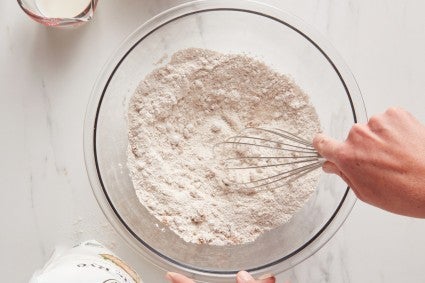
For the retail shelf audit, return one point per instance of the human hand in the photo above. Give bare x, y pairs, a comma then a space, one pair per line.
242, 277
382, 161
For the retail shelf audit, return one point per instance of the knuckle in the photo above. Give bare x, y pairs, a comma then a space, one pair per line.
396, 114
356, 130
394, 111
376, 122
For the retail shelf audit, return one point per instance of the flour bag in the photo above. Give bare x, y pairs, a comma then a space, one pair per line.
89, 262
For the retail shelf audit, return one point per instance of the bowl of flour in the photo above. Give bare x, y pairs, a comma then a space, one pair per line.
187, 80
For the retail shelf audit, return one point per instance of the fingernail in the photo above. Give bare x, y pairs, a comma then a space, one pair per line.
169, 276
265, 276
244, 276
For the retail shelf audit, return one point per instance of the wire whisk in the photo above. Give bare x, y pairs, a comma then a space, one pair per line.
260, 158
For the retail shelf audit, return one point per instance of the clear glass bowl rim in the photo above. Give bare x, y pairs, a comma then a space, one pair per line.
260, 9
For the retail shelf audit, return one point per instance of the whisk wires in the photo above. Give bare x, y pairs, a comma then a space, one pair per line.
269, 158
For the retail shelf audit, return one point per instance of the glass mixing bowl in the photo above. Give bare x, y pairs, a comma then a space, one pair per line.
282, 42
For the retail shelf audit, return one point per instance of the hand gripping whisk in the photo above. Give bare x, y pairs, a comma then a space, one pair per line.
261, 158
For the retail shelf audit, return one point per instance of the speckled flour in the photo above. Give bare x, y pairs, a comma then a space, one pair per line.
176, 116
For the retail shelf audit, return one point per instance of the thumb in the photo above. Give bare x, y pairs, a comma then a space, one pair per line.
244, 277
177, 278
326, 146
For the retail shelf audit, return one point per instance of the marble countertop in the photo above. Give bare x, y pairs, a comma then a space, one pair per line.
46, 76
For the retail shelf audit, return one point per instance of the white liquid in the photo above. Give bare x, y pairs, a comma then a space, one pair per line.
61, 8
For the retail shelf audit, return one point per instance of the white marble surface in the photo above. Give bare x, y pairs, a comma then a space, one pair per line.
46, 76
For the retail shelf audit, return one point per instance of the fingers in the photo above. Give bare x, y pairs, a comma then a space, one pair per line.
177, 278
327, 147
241, 277
245, 277
330, 167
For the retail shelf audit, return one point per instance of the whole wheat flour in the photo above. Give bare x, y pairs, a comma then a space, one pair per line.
176, 116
